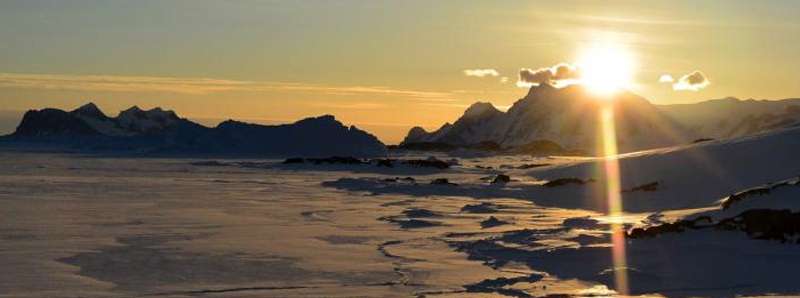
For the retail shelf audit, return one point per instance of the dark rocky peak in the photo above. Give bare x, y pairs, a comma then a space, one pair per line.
52, 122
417, 131
155, 113
89, 110
324, 120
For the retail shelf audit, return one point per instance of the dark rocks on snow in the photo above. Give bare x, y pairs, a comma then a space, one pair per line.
427, 163
765, 224
701, 140
524, 166
389, 163
420, 213
652, 186
676, 227
566, 181
412, 223
585, 222
344, 160
501, 285
294, 160
734, 198
398, 179
502, 179
484, 207
492, 222
442, 181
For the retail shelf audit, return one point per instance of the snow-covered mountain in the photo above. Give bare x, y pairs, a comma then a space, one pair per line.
731, 117
568, 116
158, 131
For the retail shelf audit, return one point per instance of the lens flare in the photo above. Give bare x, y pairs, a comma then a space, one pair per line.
614, 198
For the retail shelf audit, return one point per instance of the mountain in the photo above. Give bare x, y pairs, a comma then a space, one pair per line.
568, 116
158, 131
731, 117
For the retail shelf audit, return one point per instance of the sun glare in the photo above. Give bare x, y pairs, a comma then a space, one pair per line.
605, 68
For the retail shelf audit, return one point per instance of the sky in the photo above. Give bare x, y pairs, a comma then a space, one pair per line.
380, 65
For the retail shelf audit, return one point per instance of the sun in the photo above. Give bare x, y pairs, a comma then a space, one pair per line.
605, 68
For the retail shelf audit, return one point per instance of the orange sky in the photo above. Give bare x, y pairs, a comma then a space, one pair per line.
382, 65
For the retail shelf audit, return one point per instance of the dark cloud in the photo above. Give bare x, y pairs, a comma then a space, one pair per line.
692, 82
558, 72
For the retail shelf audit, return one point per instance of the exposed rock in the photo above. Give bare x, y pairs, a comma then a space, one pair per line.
501, 179
345, 160
585, 222
492, 222
566, 181
701, 140
524, 166
294, 160
413, 223
385, 162
442, 181
676, 227
652, 186
734, 198
427, 163
404, 179
420, 213
427, 146
500, 285
765, 224
484, 207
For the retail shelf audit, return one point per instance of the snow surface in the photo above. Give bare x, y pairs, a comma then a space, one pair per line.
86, 226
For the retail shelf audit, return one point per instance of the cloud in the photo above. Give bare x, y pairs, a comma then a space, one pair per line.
481, 72
666, 78
503, 80
549, 75
198, 86
691, 82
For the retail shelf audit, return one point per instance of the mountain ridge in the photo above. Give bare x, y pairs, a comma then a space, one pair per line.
568, 116
162, 132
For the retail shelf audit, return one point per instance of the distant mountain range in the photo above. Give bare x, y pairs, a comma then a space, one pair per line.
547, 121
567, 120
162, 132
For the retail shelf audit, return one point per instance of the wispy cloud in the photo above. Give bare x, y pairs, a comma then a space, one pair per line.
354, 105
481, 72
113, 83
666, 78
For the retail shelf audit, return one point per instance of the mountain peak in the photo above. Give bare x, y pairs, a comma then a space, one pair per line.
132, 109
324, 119
89, 110
543, 87
480, 108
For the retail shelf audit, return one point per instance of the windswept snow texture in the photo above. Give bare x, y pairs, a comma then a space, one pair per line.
690, 176
160, 132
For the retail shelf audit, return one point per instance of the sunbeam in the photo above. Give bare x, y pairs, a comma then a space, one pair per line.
613, 196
